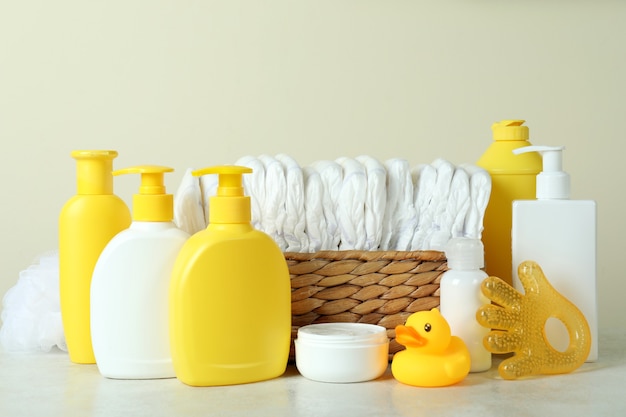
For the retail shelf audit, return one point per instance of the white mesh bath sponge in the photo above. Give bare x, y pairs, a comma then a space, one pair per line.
31, 314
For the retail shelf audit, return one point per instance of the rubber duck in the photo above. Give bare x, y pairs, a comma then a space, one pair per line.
433, 357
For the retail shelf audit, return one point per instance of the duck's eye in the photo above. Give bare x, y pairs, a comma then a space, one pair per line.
427, 327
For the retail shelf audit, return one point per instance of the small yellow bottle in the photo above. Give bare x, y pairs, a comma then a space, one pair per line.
87, 222
230, 296
512, 178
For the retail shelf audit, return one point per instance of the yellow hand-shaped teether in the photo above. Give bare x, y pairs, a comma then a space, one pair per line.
519, 325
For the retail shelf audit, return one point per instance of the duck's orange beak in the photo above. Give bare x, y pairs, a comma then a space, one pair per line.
409, 337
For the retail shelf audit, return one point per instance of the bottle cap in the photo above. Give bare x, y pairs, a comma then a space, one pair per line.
465, 254
552, 182
230, 205
510, 130
152, 204
93, 171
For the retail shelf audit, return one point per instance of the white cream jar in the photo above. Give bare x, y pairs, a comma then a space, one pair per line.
342, 352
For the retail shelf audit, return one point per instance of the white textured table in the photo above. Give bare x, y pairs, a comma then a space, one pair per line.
47, 384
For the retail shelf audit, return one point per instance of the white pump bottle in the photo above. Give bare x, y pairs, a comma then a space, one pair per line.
560, 235
130, 286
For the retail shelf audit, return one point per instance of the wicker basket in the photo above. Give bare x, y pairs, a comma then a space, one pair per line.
381, 288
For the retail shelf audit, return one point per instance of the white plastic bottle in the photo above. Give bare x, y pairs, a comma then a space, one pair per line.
560, 235
461, 297
130, 286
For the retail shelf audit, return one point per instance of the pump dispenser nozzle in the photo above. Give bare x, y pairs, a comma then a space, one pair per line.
552, 182
230, 205
152, 204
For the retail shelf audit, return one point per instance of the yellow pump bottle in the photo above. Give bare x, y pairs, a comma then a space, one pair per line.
87, 222
512, 178
230, 296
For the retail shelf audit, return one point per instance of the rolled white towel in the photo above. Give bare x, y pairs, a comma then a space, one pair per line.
480, 191
351, 205
375, 200
254, 186
316, 228
295, 219
425, 181
331, 174
188, 205
400, 214
274, 212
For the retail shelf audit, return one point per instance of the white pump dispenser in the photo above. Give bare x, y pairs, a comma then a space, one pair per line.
552, 182
560, 235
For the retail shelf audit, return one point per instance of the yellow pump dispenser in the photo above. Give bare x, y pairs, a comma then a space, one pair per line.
512, 178
230, 295
87, 222
152, 204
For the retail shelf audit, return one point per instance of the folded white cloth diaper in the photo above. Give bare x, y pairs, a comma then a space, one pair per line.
480, 191
315, 227
295, 219
274, 211
400, 215
375, 200
188, 205
434, 238
331, 174
425, 177
458, 203
351, 205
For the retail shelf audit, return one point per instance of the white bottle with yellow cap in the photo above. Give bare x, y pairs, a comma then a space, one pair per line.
130, 285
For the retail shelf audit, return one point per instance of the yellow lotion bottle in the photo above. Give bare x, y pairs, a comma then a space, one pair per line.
87, 222
512, 178
230, 296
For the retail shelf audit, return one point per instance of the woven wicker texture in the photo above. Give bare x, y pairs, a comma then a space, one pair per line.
381, 288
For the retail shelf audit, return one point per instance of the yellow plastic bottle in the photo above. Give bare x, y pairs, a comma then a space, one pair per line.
230, 296
87, 222
512, 178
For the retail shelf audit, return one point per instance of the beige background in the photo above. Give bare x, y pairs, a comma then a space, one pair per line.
191, 83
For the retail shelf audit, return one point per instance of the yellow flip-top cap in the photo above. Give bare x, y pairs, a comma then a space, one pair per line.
152, 204
510, 130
